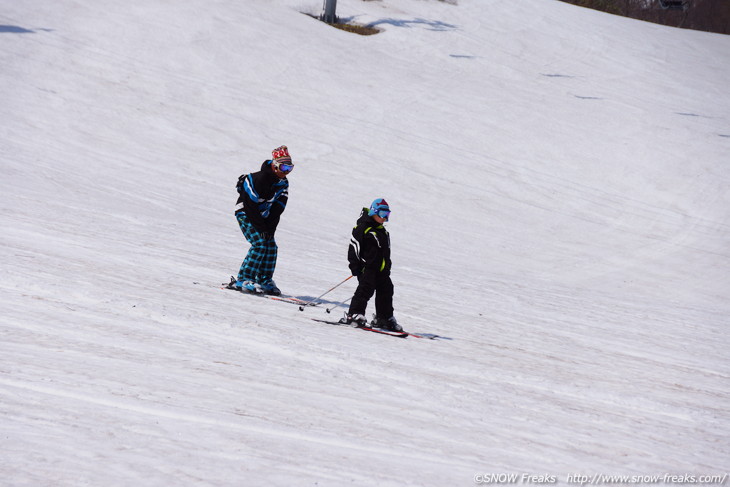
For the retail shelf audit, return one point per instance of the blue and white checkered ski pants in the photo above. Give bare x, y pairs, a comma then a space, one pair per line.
260, 262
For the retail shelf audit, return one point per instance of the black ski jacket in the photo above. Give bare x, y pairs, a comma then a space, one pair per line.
369, 250
263, 196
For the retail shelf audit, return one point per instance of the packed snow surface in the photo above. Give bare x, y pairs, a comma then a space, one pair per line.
560, 186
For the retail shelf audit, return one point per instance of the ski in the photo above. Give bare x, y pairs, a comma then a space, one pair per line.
284, 298
398, 334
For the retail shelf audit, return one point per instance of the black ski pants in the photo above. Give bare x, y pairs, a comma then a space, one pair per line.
370, 283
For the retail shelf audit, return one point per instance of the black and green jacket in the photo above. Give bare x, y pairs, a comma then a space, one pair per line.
369, 249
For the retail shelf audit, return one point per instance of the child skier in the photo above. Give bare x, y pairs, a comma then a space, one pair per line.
369, 257
262, 199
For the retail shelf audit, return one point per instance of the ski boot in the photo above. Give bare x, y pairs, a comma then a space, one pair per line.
251, 287
389, 324
245, 286
356, 320
269, 287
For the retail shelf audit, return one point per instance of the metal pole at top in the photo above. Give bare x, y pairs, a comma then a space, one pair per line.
330, 6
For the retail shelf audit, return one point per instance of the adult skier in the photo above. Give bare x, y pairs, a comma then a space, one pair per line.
369, 258
262, 198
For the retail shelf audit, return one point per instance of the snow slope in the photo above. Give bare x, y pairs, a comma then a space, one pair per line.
560, 194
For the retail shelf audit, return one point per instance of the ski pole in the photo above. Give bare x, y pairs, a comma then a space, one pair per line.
301, 308
329, 310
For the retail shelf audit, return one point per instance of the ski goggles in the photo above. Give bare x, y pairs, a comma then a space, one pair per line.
285, 168
383, 214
